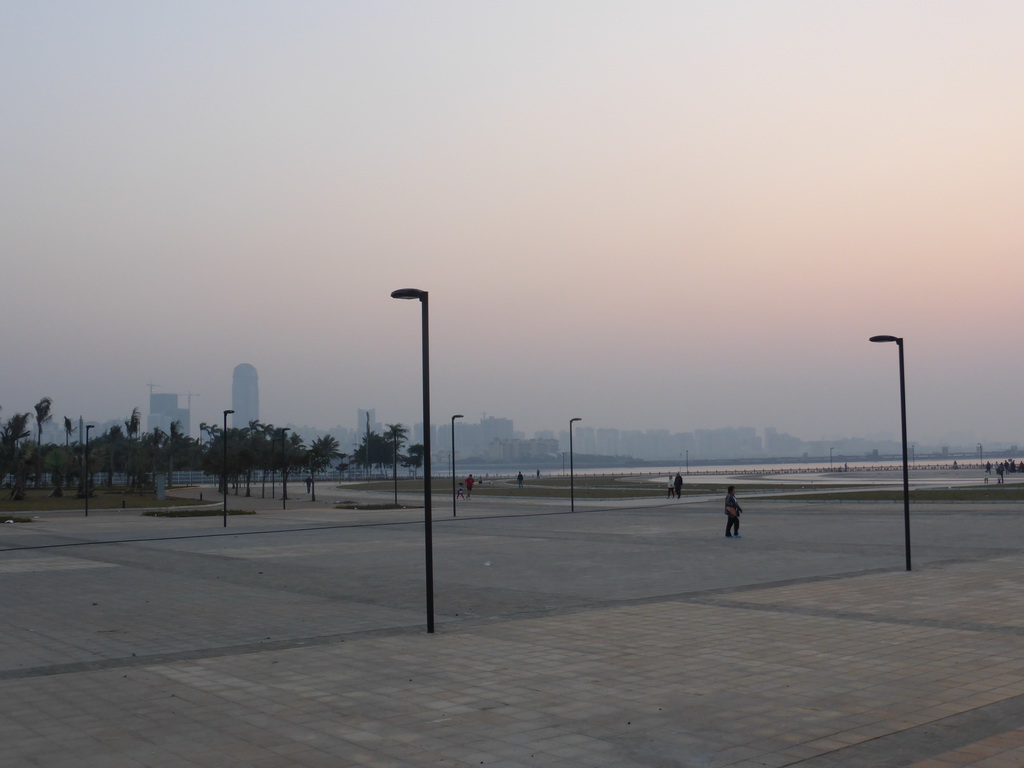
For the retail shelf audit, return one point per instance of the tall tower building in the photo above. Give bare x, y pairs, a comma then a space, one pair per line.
164, 411
245, 395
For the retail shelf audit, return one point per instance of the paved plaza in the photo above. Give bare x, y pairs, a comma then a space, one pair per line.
627, 634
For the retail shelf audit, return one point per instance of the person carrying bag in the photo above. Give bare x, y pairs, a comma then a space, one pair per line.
733, 510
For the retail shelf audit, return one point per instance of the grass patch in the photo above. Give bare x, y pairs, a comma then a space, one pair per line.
41, 501
357, 505
586, 487
985, 493
196, 512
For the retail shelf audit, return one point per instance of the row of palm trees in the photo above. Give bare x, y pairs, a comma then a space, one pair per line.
254, 453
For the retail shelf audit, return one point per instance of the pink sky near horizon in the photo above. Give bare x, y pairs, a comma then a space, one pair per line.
652, 215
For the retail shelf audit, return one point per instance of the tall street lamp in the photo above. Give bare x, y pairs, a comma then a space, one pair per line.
830, 458
454, 497
88, 475
981, 455
421, 296
226, 466
572, 484
903, 417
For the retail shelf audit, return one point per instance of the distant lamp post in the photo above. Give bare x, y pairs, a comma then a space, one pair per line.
981, 455
687, 461
284, 460
226, 466
87, 473
830, 458
394, 458
903, 418
454, 497
572, 482
422, 297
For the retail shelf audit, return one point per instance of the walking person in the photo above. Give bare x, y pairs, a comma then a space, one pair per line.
470, 482
519, 479
678, 485
733, 512
460, 494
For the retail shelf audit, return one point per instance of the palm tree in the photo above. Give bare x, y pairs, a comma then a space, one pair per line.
57, 461
113, 440
69, 429
414, 458
321, 453
43, 415
293, 456
175, 441
132, 427
398, 435
13, 431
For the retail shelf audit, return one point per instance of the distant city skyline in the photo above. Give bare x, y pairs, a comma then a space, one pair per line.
497, 439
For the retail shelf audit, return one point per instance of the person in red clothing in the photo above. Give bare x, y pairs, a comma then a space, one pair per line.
470, 482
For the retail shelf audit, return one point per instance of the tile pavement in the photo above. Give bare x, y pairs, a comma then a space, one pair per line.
630, 636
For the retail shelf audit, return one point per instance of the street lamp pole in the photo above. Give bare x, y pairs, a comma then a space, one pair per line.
87, 473
981, 455
830, 458
394, 467
422, 297
903, 419
572, 482
284, 460
687, 461
226, 466
454, 497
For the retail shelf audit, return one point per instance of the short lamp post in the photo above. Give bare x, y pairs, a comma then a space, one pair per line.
422, 297
87, 473
903, 418
454, 495
394, 458
284, 464
226, 466
572, 483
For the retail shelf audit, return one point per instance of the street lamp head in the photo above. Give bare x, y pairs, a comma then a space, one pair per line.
577, 418
883, 339
227, 412
409, 293
457, 416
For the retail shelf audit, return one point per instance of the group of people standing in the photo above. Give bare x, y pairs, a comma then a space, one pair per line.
1003, 467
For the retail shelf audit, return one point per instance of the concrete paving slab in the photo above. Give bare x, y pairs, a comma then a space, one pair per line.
628, 635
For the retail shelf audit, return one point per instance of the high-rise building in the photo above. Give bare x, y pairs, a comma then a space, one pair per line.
364, 417
164, 411
245, 395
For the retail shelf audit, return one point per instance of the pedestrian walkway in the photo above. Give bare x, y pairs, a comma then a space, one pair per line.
629, 636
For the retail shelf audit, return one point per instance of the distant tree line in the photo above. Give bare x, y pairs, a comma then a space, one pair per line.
254, 454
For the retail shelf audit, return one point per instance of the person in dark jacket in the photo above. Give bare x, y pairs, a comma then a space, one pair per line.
733, 510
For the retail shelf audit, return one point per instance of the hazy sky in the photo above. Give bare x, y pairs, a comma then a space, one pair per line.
647, 214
